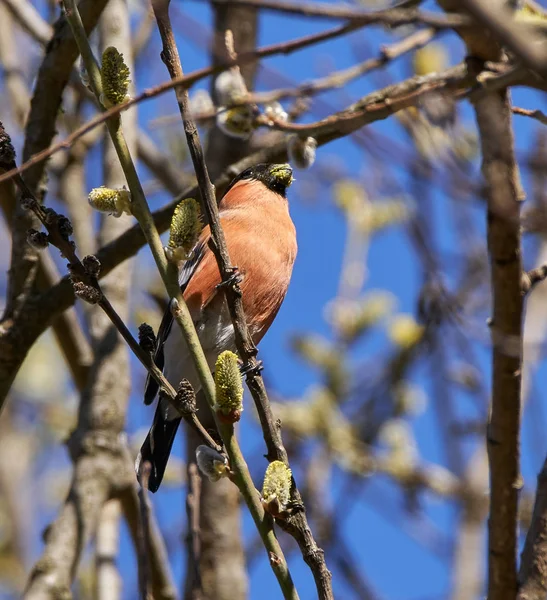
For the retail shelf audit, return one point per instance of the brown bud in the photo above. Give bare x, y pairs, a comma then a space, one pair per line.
186, 398
147, 338
7, 151
92, 265
37, 239
65, 226
86, 292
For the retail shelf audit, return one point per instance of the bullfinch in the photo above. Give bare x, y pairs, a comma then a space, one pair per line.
261, 240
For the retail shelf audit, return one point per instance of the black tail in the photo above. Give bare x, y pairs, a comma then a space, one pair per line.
157, 447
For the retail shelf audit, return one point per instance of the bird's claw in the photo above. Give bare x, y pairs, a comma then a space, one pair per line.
248, 369
235, 279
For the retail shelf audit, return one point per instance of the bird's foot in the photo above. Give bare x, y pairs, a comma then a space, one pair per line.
251, 369
235, 279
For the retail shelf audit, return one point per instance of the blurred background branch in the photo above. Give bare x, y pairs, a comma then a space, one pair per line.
379, 363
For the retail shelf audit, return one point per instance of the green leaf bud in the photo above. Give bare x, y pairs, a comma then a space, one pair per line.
229, 389
111, 201
184, 231
114, 77
276, 489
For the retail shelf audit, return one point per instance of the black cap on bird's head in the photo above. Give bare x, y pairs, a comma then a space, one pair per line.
276, 177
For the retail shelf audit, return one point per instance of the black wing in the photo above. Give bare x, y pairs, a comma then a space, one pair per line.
189, 268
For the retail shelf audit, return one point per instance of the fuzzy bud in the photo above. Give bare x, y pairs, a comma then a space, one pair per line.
37, 239
65, 226
354, 317
186, 398
7, 151
110, 201
230, 87
92, 265
282, 173
50, 216
352, 199
184, 231
276, 489
229, 389
147, 338
430, 59
86, 292
301, 151
408, 399
405, 332
237, 122
401, 455
384, 214
275, 112
316, 350
211, 463
114, 77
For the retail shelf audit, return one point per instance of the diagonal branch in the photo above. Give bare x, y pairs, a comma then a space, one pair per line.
391, 16
51, 80
140, 209
84, 279
61, 296
369, 109
519, 38
185, 81
298, 526
30, 19
245, 484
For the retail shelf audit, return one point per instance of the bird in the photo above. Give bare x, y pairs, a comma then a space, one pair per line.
261, 240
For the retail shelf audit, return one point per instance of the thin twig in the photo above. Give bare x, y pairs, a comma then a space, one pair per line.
60, 296
533, 114
519, 38
369, 109
91, 290
144, 539
185, 81
141, 211
180, 311
193, 587
247, 350
390, 16
339, 78
242, 479
532, 278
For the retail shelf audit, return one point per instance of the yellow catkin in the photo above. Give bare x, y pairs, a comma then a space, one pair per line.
114, 76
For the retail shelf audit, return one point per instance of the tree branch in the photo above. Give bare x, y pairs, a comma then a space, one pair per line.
51, 80
299, 528
391, 16
373, 107
500, 171
30, 19
519, 38
163, 585
533, 566
171, 59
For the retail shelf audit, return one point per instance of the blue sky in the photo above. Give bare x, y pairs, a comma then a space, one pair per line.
381, 535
